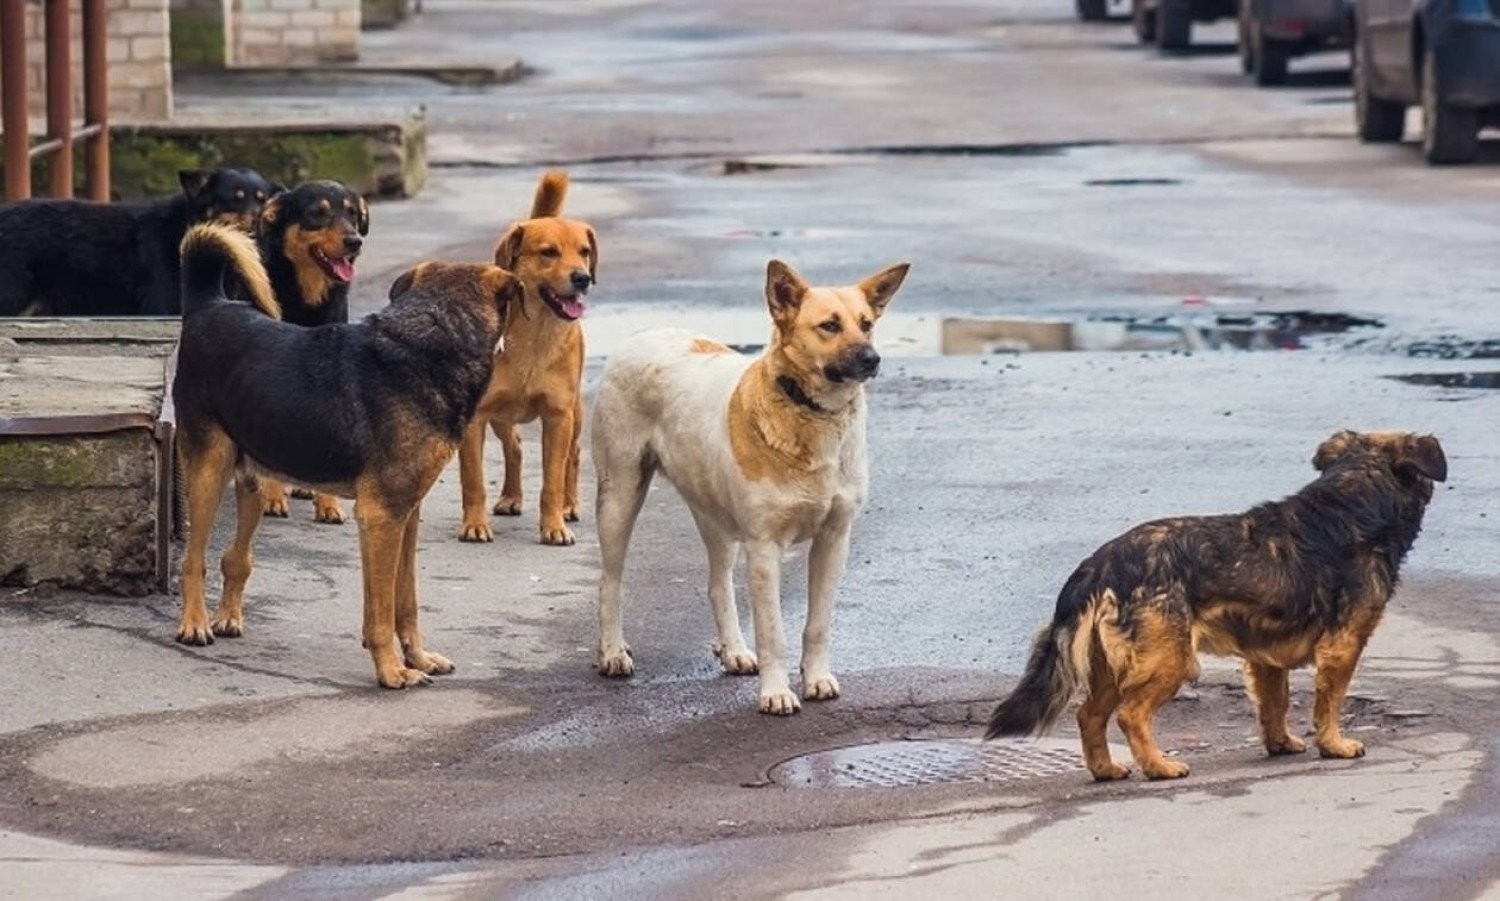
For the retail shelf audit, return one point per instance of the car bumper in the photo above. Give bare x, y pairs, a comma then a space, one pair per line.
1314, 21
1467, 55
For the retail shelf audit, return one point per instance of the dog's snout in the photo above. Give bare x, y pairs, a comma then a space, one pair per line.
581, 280
352, 243
866, 361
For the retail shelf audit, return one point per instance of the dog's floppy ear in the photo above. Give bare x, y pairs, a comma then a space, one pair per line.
881, 287
508, 251
269, 214
1424, 455
593, 256
505, 287
1336, 446
361, 215
405, 280
784, 291
193, 181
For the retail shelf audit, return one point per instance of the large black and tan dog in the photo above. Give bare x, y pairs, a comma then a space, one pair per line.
371, 410
1295, 582
310, 238
77, 258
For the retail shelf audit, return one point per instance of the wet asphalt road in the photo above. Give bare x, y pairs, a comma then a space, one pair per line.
1027, 166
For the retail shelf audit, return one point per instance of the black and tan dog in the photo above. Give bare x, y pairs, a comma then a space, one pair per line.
310, 238
1295, 582
77, 258
372, 410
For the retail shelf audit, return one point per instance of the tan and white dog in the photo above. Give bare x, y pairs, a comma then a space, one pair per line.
767, 452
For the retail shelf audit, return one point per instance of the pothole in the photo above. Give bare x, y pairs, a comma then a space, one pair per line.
1480, 380
901, 764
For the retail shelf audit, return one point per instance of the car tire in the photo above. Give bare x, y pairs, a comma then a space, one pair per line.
1377, 121
1174, 24
1246, 46
1092, 10
1143, 21
1450, 134
1271, 58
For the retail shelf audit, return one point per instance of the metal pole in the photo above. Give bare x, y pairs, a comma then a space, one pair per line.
60, 96
96, 96
16, 130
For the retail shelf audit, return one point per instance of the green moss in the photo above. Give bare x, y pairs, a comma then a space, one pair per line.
197, 39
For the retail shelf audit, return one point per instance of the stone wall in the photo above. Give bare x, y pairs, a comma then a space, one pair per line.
293, 32
140, 70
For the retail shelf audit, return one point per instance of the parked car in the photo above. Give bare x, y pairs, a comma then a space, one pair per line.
1272, 32
1442, 55
1169, 23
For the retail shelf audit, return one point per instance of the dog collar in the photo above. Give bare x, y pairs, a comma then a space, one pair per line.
796, 395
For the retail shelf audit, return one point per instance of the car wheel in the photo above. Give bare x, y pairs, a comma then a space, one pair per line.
1450, 134
1174, 24
1271, 58
1377, 121
1246, 48
1092, 10
1143, 20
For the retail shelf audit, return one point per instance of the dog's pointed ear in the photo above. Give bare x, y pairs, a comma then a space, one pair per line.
193, 181
784, 291
508, 251
1424, 455
405, 280
593, 256
1336, 446
362, 215
881, 287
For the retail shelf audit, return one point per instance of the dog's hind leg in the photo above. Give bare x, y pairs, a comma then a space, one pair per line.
207, 461
764, 565
1093, 720
326, 508
229, 618
1335, 657
476, 525
382, 534
624, 477
273, 499
407, 632
825, 567
1161, 660
509, 503
1268, 687
730, 647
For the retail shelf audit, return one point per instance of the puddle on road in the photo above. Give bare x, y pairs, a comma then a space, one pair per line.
918, 335
1131, 182
1478, 380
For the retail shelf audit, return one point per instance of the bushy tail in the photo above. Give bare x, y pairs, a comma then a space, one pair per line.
211, 254
1059, 664
550, 193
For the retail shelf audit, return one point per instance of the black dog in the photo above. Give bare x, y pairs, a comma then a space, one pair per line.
372, 410
309, 239
78, 258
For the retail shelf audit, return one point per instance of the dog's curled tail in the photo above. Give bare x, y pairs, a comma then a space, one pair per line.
1059, 664
215, 256
551, 191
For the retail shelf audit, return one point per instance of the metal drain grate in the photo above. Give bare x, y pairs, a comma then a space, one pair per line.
896, 764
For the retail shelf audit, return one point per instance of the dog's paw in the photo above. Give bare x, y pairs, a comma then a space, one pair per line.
197, 633
1166, 769
229, 626
476, 532
331, 513
507, 506
779, 701
278, 507
303, 494
557, 535
571, 513
738, 661
1111, 773
820, 687
1342, 748
1287, 745
429, 662
402, 677
616, 662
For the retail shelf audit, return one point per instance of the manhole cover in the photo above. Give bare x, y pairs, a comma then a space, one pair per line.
903, 763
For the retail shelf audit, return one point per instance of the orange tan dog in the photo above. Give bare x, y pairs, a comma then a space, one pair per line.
539, 373
767, 453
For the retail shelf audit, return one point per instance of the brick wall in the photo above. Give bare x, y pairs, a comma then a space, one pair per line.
293, 32
140, 69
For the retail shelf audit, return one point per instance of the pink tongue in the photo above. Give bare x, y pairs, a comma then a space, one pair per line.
343, 270
571, 306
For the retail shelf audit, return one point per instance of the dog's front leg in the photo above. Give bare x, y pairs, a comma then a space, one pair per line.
557, 440
825, 567
1335, 658
476, 525
407, 631
763, 559
381, 536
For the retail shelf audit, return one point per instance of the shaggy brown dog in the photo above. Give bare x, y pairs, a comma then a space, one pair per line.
1298, 581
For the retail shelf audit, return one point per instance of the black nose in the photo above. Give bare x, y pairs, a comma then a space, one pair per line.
353, 243
581, 280
866, 361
